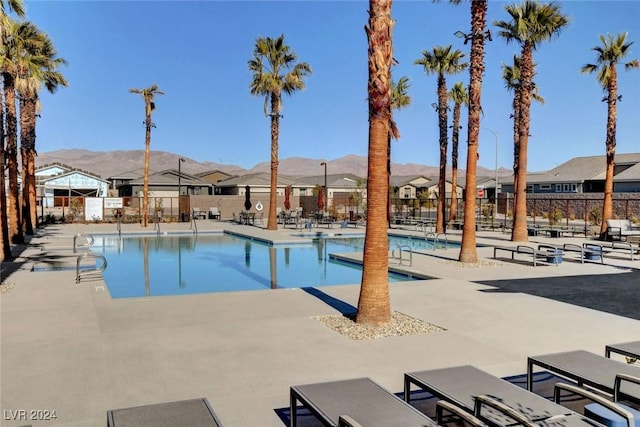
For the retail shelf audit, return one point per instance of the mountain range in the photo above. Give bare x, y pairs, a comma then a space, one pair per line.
108, 163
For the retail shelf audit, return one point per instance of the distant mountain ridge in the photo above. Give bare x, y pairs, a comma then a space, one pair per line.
109, 163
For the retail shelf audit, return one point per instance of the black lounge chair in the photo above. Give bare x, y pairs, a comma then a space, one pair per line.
630, 350
360, 402
618, 379
194, 412
494, 400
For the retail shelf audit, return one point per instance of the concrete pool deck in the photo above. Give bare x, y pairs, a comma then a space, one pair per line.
73, 349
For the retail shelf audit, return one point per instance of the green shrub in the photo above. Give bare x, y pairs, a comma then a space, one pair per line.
595, 215
554, 216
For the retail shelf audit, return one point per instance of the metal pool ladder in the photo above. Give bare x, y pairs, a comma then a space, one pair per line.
92, 271
86, 244
436, 237
396, 253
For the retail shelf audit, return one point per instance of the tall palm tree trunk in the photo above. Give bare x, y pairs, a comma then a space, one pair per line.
27, 120
272, 222
442, 125
454, 161
468, 250
15, 223
6, 243
612, 98
519, 232
145, 188
374, 306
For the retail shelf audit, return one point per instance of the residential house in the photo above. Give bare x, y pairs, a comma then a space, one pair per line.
213, 176
408, 187
57, 183
166, 183
585, 175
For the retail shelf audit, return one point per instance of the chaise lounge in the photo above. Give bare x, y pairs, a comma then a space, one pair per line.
473, 389
627, 349
193, 412
359, 401
618, 379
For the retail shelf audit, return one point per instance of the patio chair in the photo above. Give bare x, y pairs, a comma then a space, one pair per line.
194, 412
214, 213
359, 400
475, 390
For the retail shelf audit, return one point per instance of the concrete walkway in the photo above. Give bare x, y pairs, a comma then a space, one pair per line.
73, 349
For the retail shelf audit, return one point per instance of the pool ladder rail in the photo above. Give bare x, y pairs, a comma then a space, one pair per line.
90, 272
437, 238
84, 241
397, 251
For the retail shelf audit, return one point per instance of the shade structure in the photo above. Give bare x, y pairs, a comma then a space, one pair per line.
287, 197
320, 198
247, 198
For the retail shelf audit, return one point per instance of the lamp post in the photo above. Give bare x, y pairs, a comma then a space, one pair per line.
325, 185
495, 134
180, 161
469, 36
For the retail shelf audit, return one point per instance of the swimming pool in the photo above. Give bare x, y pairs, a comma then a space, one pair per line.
188, 264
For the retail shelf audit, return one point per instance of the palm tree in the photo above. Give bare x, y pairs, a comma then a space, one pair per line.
460, 96
17, 6
400, 99
374, 305
275, 71
468, 250
608, 56
511, 77
531, 24
18, 38
442, 60
38, 68
148, 94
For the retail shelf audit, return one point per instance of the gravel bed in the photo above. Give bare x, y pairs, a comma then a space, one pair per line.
400, 325
6, 287
480, 263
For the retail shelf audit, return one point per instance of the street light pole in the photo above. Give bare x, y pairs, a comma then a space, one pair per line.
325, 186
180, 161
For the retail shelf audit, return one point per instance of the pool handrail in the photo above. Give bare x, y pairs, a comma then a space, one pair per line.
399, 257
85, 245
93, 270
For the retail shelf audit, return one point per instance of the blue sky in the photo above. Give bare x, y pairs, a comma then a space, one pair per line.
197, 53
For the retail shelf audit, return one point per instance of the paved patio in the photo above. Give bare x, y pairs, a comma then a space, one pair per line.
72, 349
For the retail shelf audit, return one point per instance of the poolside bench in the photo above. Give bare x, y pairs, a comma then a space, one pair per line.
587, 252
536, 255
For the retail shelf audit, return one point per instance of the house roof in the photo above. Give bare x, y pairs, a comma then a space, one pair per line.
417, 181
170, 177
255, 180
132, 174
339, 180
54, 165
67, 180
580, 169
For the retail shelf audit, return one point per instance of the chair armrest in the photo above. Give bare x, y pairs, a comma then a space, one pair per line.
618, 382
594, 398
347, 421
500, 407
444, 405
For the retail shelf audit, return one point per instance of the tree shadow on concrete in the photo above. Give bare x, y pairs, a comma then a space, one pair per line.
611, 293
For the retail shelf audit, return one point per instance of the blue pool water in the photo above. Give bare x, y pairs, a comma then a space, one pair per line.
187, 264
